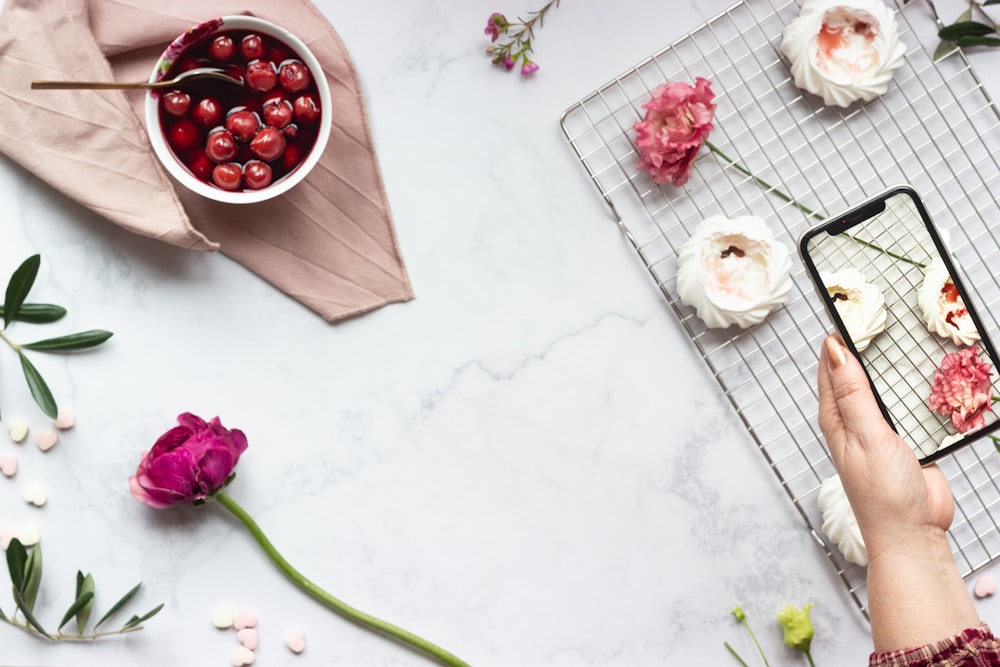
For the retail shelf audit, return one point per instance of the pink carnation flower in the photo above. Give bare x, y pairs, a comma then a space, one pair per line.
678, 120
961, 389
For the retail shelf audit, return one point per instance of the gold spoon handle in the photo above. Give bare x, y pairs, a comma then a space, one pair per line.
95, 85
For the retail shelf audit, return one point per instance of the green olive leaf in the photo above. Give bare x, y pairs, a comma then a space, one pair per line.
3, 616
137, 620
19, 600
973, 40
961, 29
39, 390
19, 286
991, 2
17, 557
84, 585
36, 313
74, 609
32, 579
77, 341
118, 605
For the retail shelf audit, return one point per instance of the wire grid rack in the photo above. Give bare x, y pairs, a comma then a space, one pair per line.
932, 130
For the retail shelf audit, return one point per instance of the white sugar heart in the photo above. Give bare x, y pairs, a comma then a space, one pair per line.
34, 493
248, 637
65, 419
242, 656
223, 618
46, 440
6, 535
8, 465
29, 535
244, 619
295, 640
985, 586
18, 429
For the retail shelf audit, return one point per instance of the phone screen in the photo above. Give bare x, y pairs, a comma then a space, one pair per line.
891, 289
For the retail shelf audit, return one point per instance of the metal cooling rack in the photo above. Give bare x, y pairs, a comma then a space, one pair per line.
932, 130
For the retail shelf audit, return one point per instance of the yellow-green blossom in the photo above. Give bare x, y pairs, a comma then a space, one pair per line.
797, 626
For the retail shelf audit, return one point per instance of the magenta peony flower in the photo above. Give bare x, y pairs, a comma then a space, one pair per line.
961, 389
189, 462
678, 120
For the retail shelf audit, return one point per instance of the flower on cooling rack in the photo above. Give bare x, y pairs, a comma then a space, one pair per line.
961, 389
676, 126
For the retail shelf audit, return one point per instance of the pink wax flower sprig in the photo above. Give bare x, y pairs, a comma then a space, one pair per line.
961, 389
193, 462
517, 39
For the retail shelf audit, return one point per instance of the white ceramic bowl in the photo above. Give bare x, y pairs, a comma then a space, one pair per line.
174, 164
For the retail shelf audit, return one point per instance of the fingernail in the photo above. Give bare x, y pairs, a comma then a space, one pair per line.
836, 357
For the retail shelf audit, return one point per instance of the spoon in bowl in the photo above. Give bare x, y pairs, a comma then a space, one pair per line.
213, 73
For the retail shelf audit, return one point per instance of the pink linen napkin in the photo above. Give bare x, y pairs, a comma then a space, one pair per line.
328, 243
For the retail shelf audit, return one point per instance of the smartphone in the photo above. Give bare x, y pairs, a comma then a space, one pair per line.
891, 288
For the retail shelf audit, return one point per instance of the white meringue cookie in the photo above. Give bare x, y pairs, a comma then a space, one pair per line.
860, 304
843, 50
839, 523
733, 271
943, 309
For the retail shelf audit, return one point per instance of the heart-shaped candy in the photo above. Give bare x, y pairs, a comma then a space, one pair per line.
34, 494
18, 429
46, 440
242, 656
223, 618
65, 419
985, 586
8, 464
295, 640
6, 535
244, 619
248, 637
29, 535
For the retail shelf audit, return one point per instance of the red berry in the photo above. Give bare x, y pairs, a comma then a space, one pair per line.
221, 146
261, 75
184, 137
252, 47
277, 54
207, 113
257, 174
291, 157
277, 112
290, 130
228, 176
243, 124
268, 144
200, 165
294, 76
222, 48
176, 103
306, 109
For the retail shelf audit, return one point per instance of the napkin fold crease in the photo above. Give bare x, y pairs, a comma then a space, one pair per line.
329, 242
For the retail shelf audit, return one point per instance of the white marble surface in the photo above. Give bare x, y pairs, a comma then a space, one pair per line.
528, 464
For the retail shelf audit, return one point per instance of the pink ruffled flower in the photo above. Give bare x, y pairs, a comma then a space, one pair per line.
678, 120
495, 24
188, 463
961, 389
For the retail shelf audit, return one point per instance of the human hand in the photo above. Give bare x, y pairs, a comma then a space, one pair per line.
898, 504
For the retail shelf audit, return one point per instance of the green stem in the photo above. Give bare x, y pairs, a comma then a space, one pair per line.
736, 655
13, 345
61, 636
330, 601
805, 209
755, 642
810, 657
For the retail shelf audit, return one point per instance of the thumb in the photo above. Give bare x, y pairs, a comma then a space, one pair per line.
852, 394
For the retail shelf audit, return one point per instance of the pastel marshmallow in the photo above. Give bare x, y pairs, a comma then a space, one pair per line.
244, 619
18, 429
242, 656
34, 494
64, 419
295, 640
248, 637
29, 535
46, 439
8, 465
